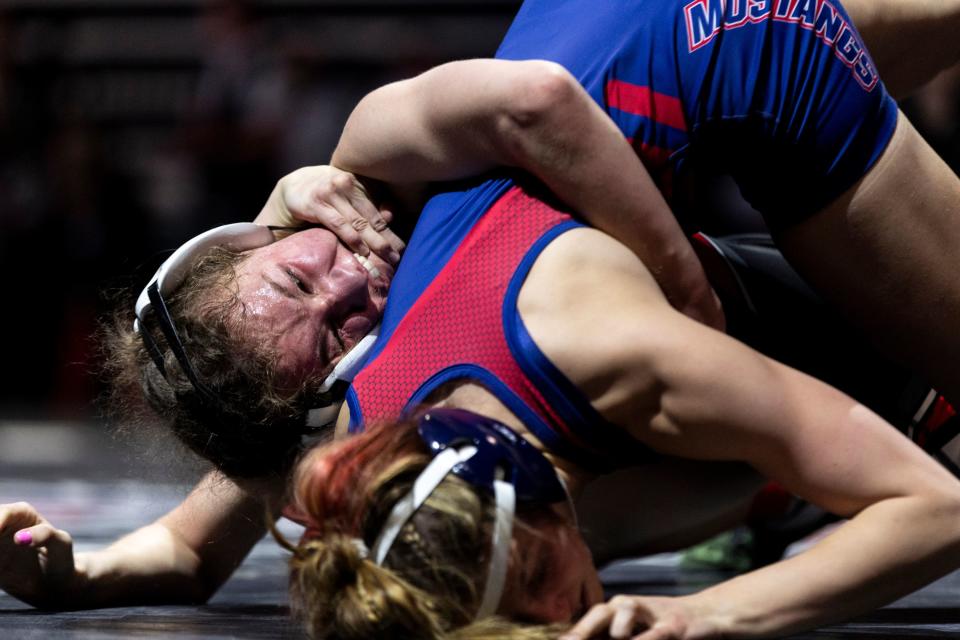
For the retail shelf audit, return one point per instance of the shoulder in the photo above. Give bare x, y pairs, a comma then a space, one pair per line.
581, 266
594, 309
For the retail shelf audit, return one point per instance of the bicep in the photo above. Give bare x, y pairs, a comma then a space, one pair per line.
447, 123
689, 391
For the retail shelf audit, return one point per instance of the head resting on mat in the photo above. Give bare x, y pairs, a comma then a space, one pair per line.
432, 579
257, 325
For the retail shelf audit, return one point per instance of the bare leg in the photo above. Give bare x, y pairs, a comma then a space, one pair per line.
687, 502
887, 253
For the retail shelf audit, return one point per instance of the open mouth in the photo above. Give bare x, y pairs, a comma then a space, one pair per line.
366, 263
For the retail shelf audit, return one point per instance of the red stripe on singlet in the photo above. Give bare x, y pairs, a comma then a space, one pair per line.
641, 101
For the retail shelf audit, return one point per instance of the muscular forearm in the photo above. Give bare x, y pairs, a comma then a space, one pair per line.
910, 40
887, 551
149, 566
579, 153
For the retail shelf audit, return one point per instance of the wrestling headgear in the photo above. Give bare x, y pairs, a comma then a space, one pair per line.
241, 236
491, 457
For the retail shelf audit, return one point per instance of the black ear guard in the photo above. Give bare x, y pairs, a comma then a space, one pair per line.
241, 236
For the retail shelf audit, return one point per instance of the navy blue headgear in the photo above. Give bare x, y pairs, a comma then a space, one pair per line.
490, 456
498, 448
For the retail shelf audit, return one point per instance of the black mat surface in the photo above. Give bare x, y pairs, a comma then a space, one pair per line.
253, 604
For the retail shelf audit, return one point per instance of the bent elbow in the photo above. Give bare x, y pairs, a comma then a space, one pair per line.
950, 505
942, 510
542, 95
541, 90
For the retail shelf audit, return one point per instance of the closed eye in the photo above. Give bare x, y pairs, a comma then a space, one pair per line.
298, 282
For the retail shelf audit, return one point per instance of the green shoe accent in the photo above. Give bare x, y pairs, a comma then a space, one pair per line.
729, 551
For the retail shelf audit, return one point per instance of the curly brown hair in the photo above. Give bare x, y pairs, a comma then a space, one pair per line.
253, 427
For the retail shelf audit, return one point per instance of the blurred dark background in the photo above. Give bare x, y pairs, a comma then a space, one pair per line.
127, 126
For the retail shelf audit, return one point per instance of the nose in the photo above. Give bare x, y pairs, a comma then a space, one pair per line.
341, 290
349, 286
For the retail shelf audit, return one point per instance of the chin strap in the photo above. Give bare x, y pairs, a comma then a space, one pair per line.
338, 380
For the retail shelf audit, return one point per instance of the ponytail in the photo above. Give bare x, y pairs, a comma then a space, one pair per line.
430, 583
340, 593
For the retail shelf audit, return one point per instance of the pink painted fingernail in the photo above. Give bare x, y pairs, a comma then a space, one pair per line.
23, 537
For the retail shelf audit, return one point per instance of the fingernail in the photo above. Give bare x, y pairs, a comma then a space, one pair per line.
23, 537
394, 257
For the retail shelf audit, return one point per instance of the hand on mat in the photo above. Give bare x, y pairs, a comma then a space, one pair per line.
643, 618
338, 201
36, 559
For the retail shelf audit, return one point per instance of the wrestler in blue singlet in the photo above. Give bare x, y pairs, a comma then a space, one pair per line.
782, 93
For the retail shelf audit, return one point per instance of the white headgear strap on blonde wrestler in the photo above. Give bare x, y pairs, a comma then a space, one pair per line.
506, 501
423, 487
426, 482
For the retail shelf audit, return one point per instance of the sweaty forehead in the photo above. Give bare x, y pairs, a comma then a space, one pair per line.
278, 327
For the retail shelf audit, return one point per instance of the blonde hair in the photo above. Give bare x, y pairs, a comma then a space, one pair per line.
430, 584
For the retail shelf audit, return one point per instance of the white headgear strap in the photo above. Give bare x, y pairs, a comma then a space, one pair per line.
423, 487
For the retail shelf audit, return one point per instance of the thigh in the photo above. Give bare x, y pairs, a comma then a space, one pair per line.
887, 253
662, 506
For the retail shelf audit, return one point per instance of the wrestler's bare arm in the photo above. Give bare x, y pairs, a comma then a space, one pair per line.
464, 118
691, 392
182, 557
910, 40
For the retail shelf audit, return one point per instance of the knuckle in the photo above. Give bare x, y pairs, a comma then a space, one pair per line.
622, 602
322, 192
359, 224
378, 224
341, 181
337, 222
378, 246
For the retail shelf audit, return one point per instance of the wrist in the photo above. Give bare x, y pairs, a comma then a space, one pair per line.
710, 617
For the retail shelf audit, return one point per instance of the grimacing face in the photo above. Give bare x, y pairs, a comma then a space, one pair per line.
310, 299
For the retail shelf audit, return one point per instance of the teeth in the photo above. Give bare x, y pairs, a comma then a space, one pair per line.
367, 264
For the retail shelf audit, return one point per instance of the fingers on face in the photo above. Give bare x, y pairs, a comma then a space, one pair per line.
373, 227
359, 224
